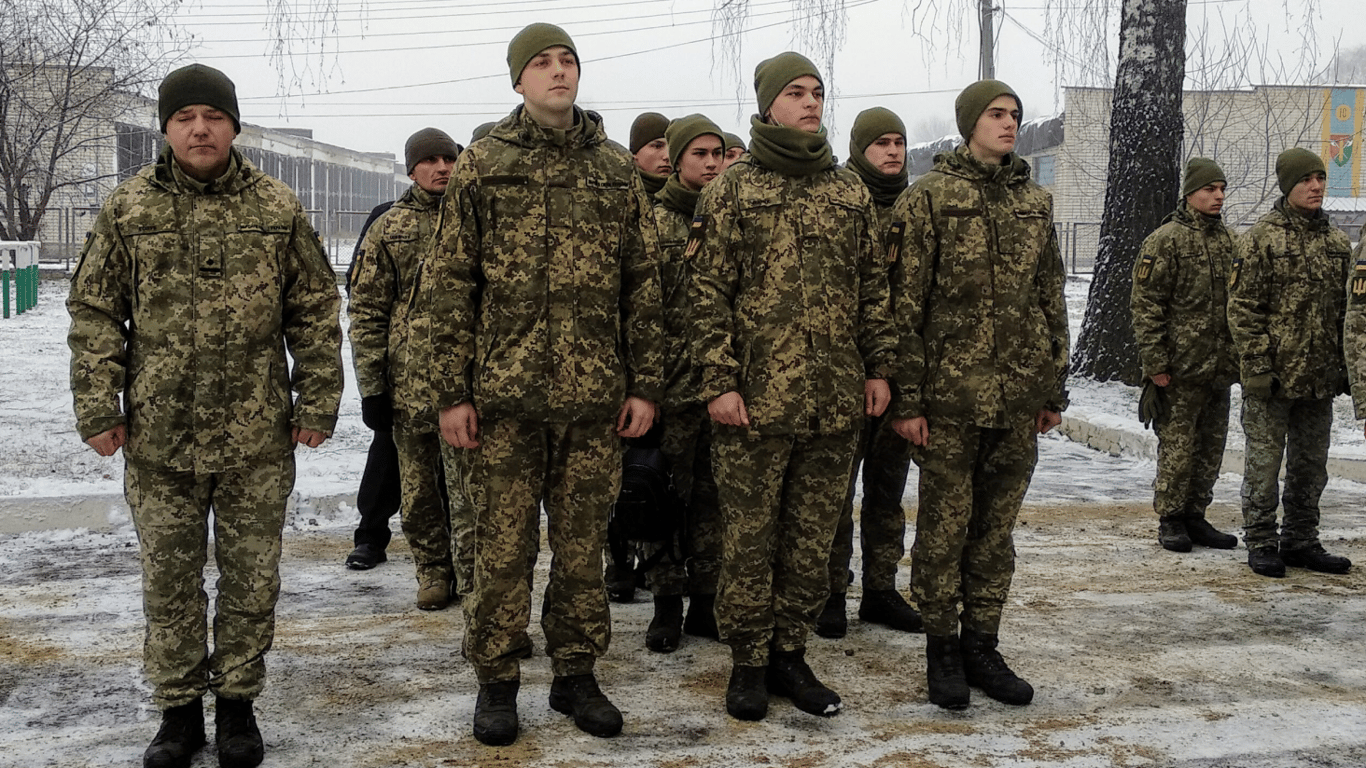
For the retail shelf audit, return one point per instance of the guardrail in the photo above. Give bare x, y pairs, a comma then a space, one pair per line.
19, 265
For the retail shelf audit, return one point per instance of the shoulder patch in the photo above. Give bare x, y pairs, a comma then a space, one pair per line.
1234, 270
699, 224
895, 236
1359, 279
1145, 267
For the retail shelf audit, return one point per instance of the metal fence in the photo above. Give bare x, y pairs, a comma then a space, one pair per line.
18, 267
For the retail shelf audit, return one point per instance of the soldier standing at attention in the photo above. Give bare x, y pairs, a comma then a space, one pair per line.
735, 146
651, 150
1179, 306
544, 312
200, 274
789, 302
877, 155
1286, 306
381, 285
978, 299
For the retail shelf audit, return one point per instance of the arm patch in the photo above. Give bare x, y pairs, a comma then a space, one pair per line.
895, 236
1359, 279
1233, 272
1145, 267
695, 232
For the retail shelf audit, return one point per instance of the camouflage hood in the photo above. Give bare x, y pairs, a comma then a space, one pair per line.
962, 164
519, 129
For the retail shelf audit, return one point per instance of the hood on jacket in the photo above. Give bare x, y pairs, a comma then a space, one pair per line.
962, 164
519, 129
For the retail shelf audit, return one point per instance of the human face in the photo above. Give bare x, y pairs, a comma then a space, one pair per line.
1307, 196
433, 173
994, 135
732, 155
201, 141
801, 105
701, 161
1208, 199
549, 84
887, 153
654, 158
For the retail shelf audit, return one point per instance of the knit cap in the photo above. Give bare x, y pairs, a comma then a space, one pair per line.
197, 84
733, 141
975, 99
1200, 173
531, 41
1294, 164
682, 132
872, 124
483, 130
773, 75
428, 142
646, 128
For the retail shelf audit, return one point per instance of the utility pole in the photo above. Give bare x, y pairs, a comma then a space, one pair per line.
986, 69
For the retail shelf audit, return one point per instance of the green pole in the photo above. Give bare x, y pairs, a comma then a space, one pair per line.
32, 286
4, 278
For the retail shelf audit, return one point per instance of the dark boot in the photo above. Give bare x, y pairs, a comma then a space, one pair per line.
621, 583
667, 625
180, 736
238, 738
1206, 535
1315, 558
947, 683
889, 608
985, 669
495, 713
365, 556
1172, 535
832, 622
580, 697
746, 695
701, 621
788, 675
1266, 561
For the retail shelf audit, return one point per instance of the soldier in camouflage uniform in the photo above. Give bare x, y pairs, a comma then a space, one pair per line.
543, 309
789, 302
877, 155
735, 147
651, 150
381, 284
201, 272
978, 298
1286, 304
1178, 302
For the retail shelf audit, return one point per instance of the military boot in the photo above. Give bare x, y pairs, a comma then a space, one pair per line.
985, 669
746, 694
944, 675
667, 626
1172, 535
433, 590
180, 736
701, 621
580, 697
238, 738
495, 713
1265, 561
1206, 535
1315, 558
620, 582
832, 622
888, 608
790, 676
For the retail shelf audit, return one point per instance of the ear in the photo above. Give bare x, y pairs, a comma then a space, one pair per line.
518, 88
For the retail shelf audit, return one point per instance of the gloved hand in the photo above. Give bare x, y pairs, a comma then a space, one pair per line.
377, 411
1261, 385
1152, 404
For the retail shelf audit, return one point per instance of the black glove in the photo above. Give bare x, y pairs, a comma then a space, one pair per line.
1152, 404
377, 411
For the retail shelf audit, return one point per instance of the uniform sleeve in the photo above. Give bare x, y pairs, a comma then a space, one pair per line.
712, 289
1249, 304
374, 293
1150, 302
446, 297
912, 276
877, 336
100, 305
1051, 279
642, 302
1354, 330
312, 330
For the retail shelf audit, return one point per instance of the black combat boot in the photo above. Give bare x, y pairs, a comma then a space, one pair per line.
180, 736
788, 675
832, 622
1315, 558
580, 697
620, 582
667, 625
1172, 535
985, 669
701, 621
238, 738
947, 683
495, 713
1266, 561
889, 608
1206, 535
746, 694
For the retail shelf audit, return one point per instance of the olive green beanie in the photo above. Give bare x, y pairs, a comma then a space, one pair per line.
872, 124
975, 99
773, 75
428, 142
483, 130
684, 130
1200, 173
197, 84
531, 41
646, 128
733, 141
1294, 164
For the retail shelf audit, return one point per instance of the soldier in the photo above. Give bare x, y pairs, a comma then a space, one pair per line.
200, 274
481, 130
695, 153
789, 302
877, 155
735, 146
978, 298
651, 150
1286, 305
1180, 319
381, 285
545, 350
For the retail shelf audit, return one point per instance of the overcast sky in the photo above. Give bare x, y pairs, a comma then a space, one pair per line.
391, 67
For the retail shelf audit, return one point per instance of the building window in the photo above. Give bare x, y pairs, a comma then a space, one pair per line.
1044, 166
138, 147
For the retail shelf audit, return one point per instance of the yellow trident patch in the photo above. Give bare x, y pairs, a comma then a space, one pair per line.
699, 223
1233, 273
1145, 267
1359, 279
895, 236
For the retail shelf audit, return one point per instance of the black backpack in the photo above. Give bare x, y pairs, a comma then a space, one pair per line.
647, 511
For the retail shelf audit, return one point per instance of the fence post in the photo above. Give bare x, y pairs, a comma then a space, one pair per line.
19, 264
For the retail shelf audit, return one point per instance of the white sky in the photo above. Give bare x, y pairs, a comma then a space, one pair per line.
406, 64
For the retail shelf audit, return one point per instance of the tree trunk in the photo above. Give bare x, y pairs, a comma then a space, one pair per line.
1143, 181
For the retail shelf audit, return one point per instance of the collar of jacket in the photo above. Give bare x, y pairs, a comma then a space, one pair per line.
961, 163
419, 199
167, 174
1188, 216
677, 197
520, 129
1314, 222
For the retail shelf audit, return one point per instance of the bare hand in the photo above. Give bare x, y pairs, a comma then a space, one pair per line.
877, 395
1161, 379
309, 437
635, 418
729, 409
110, 440
1046, 419
916, 430
460, 425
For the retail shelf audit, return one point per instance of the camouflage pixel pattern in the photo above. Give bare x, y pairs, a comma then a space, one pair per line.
1190, 448
455, 463
885, 458
977, 293
1354, 333
686, 443
171, 514
682, 379
780, 502
1299, 430
426, 524
184, 302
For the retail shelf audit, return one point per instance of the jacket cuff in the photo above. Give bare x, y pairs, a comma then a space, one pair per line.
95, 425
326, 424
717, 381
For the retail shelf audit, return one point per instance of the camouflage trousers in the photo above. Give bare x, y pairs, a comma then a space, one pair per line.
1299, 430
686, 443
972, 482
575, 470
455, 463
426, 524
1190, 449
171, 514
780, 502
885, 458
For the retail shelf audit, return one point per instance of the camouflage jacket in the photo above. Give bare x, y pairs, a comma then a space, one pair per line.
681, 379
541, 297
789, 297
185, 301
1179, 300
381, 286
977, 293
1287, 297
1354, 341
